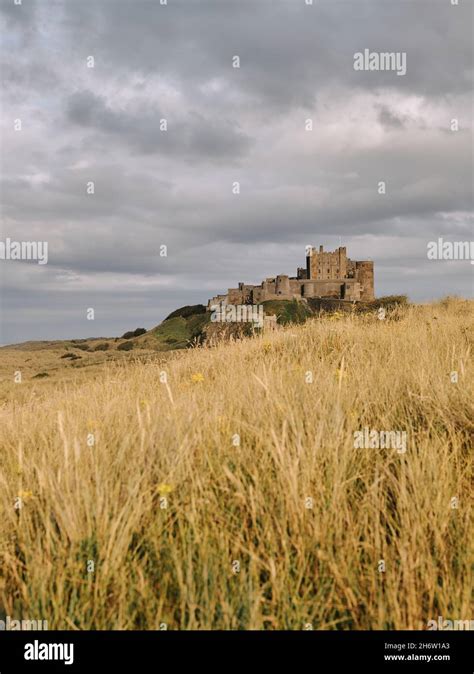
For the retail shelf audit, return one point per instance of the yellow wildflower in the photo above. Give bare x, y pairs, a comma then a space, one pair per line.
197, 377
163, 489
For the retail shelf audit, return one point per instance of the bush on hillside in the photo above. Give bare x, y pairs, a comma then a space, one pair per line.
189, 310
103, 346
133, 333
125, 346
392, 301
287, 311
72, 356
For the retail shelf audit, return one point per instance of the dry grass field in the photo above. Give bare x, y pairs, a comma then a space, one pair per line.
227, 493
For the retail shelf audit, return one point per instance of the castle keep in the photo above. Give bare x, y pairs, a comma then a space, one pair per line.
327, 275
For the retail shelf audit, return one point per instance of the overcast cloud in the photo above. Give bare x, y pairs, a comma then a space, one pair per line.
225, 124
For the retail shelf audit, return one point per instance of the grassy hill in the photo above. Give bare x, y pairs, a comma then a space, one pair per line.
221, 488
182, 329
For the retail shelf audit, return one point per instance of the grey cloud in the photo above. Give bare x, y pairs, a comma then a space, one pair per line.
225, 125
287, 49
388, 118
191, 136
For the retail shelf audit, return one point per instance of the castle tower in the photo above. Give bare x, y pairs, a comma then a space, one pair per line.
342, 262
326, 266
282, 285
364, 274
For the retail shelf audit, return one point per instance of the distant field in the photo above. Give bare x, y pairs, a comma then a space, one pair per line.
49, 365
221, 487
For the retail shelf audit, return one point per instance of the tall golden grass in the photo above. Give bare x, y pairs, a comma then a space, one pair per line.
166, 521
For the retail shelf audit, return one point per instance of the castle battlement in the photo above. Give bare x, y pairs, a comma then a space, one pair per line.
328, 274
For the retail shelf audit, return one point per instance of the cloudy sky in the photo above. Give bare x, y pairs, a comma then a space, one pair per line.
225, 125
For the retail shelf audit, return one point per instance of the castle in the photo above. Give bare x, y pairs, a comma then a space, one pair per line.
327, 275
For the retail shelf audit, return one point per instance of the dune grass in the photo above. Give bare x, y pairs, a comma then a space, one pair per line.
220, 489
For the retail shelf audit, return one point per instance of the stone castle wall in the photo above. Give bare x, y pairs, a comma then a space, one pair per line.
327, 275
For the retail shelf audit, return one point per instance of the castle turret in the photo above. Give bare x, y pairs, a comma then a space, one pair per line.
282, 285
364, 274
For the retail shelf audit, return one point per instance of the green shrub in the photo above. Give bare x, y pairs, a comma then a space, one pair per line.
103, 346
125, 346
287, 311
188, 310
392, 301
133, 333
